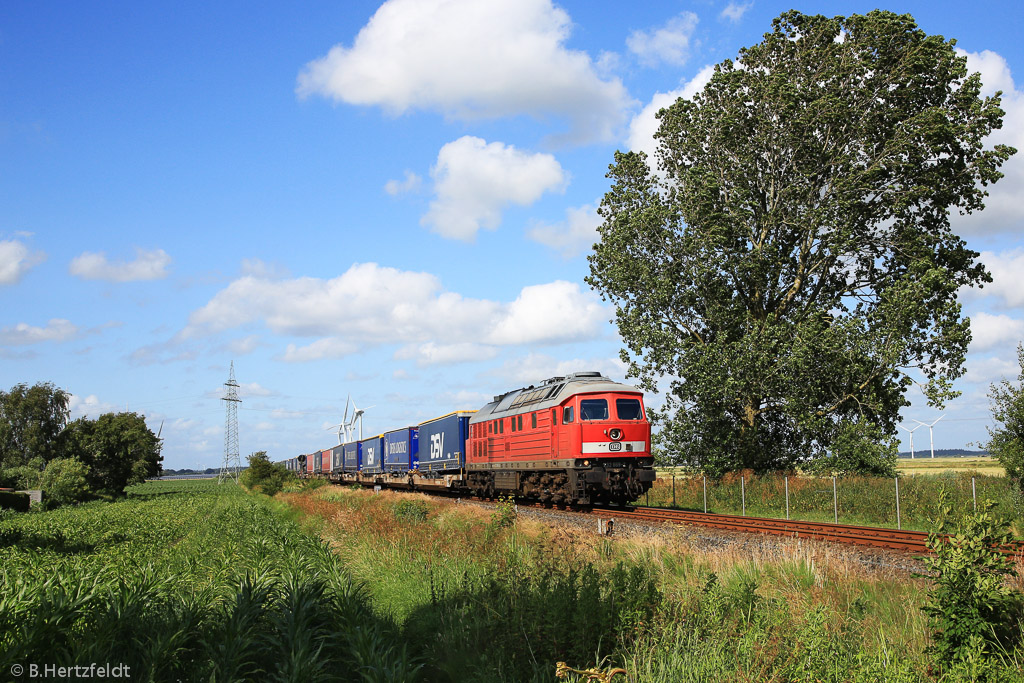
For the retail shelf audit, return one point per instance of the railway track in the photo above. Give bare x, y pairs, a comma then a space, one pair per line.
912, 542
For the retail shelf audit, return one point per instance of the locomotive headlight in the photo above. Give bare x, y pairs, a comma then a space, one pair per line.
615, 434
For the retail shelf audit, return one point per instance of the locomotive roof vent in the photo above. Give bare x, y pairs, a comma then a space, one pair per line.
581, 375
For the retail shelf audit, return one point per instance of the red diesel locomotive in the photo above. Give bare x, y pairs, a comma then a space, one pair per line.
575, 439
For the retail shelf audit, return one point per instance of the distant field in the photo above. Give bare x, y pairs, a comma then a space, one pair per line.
925, 465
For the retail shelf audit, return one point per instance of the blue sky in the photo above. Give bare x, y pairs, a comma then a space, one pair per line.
392, 202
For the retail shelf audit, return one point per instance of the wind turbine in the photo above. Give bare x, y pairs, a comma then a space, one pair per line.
929, 426
912, 437
347, 425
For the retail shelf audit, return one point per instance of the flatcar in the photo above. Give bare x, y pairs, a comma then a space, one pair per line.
579, 438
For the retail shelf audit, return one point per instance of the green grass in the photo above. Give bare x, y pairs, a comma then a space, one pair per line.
486, 603
869, 501
186, 581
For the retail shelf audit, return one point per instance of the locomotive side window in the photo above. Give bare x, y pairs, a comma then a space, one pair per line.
629, 409
594, 409
501, 426
567, 415
519, 423
554, 416
533, 420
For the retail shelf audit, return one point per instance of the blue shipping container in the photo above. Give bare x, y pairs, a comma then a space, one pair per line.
337, 458
353, 457
401, 450
444, 442
373, 454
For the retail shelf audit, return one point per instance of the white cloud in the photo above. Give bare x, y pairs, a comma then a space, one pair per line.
1003, 209
89, 405
431, 353
471, 60
474, 181
669, 43
148, 265
329, 347
15, 260
645, 124
555, 312
370, 305
1006, 268
537, 367
991, 369
410, 183
573, 236
253, 389
244, 345
57, 330
989, 331
734, 11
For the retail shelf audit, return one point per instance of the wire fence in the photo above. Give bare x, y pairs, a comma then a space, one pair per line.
909, 502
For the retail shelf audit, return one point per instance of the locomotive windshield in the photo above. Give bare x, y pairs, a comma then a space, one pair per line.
629, 409
594, 409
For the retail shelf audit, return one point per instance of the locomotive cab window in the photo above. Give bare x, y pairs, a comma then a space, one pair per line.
629, 409
567, 415
594, 409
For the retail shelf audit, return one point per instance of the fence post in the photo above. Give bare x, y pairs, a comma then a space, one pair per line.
835, 499
705, 495
673, 490
787, 497
899, 524
743, 496
974, 495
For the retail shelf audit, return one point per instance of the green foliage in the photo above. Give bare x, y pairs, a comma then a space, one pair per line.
64, 481
411, 510
118, 448
973, 612
504, 515
314, 483
1006, 441
795, 258
187, 581
31, 421
862, 500
24, 476
265, 476
859, 448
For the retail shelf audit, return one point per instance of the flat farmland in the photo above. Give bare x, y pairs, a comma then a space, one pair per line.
184, 581
925, 465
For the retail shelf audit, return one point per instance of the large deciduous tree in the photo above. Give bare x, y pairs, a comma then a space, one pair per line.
1006, 440
792, 260
31, 422
118, 448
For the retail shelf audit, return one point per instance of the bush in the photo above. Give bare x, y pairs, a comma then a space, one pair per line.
264, 476
411, 510
972, 611
9, 500
65, 481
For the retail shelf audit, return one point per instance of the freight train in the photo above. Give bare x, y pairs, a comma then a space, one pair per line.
578, 439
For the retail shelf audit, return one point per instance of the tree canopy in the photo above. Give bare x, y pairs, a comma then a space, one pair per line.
118, 449
31, 421
1006, 440
790, 266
